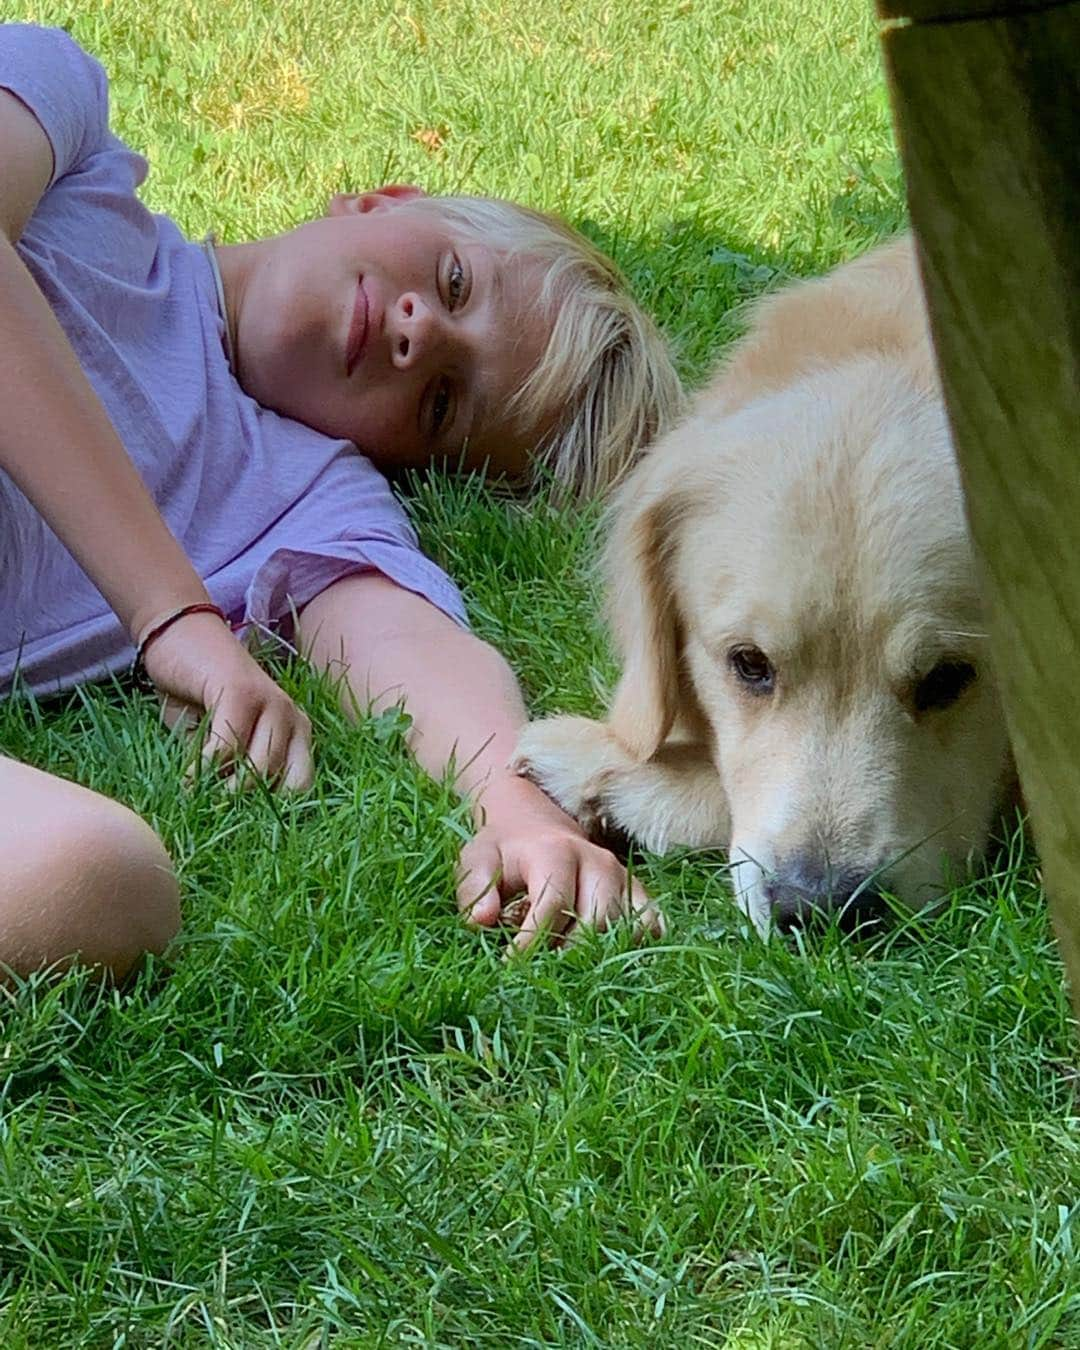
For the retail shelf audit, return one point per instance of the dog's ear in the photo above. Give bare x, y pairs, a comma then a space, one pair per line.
644, 519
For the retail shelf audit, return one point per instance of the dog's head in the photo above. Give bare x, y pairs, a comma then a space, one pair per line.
795, 580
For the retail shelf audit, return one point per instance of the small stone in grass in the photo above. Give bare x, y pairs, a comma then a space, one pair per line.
514, 911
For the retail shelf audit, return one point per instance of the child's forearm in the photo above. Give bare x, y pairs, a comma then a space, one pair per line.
461, 695
466, 710
59, 447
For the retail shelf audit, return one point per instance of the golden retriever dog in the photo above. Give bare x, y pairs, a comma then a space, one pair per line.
805, 675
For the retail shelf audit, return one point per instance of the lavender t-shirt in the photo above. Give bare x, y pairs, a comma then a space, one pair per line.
269, 511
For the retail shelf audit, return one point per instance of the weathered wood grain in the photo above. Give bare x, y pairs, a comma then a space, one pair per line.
988, 119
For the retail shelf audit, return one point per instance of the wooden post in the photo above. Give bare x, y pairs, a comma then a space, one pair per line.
986, 100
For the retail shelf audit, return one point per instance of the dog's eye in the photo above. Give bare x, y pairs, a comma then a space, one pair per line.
753, 668
944, 685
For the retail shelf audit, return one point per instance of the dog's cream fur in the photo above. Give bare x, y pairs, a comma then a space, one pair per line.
810, 509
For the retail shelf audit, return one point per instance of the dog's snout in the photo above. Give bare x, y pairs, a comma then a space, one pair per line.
805, 889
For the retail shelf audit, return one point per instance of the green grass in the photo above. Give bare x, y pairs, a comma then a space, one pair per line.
336, 1118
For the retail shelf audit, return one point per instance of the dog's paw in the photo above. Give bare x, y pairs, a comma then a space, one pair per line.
572, 759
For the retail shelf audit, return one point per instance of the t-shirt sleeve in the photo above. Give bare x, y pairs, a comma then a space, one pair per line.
64, 87
348, 521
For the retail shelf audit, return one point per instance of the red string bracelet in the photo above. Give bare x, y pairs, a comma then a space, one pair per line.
138, 668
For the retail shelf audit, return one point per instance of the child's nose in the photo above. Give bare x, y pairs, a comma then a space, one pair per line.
417, 331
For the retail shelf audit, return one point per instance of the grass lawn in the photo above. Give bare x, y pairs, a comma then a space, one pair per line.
338, 1118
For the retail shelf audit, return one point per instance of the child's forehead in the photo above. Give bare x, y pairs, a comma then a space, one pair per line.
504, 237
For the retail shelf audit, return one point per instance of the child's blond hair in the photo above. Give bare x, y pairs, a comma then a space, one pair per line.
605, 360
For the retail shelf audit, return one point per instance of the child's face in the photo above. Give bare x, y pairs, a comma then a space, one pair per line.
382, 324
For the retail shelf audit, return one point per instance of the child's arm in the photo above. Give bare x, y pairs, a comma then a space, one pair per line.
465, 706
59, 447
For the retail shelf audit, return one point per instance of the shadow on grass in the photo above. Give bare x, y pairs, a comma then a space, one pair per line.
697, 279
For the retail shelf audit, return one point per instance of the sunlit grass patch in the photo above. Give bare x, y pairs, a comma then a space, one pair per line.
334, 1116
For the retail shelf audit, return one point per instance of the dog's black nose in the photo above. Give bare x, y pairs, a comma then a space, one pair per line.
805, 890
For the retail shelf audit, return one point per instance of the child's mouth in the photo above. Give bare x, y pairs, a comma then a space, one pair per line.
358, 328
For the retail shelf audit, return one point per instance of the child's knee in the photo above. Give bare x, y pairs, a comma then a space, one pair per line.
105, 894
135, 879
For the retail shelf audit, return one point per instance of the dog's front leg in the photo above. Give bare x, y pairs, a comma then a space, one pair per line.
673, 799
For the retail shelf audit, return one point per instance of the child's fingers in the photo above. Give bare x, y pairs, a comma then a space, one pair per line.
176, 712
272, 739
266, 749
639, 905
648, 918
299, 761
603, 896
480, 883
649, 924
276, 755
280, 745
607, 894
231, 725
553, 894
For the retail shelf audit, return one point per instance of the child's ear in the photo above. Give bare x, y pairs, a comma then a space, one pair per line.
360, 203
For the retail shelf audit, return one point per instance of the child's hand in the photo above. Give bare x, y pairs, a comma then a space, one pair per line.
527, 843
198, 664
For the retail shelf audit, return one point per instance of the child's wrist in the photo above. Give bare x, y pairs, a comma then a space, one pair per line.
163, 624
146, 621
508, 794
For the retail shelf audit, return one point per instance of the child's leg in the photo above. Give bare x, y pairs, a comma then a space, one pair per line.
80, 875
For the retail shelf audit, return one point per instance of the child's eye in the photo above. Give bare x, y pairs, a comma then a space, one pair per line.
440, 406
455, 284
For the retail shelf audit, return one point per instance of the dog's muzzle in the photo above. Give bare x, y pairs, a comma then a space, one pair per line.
804, 890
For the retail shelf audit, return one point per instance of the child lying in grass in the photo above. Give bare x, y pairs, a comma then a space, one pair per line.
179, 460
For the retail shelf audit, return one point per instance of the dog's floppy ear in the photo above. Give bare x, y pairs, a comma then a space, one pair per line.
644, 518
